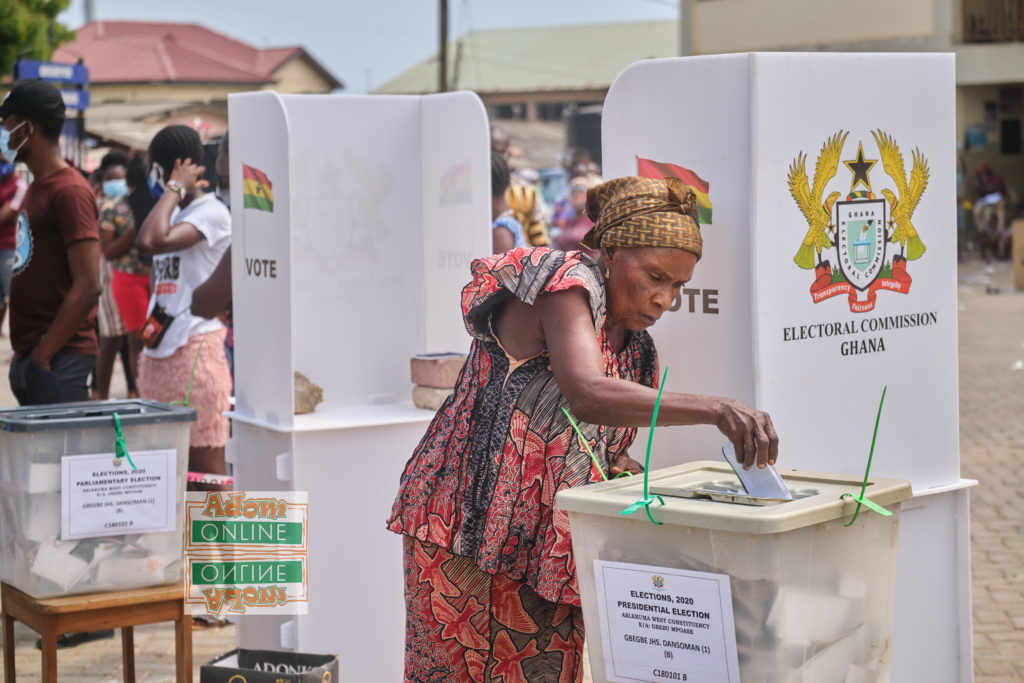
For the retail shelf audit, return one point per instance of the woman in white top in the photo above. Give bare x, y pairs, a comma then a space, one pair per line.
186, 232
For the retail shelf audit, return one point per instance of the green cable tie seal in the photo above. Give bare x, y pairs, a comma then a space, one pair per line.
646, 501
862, 499
586, 445
191, 376
120, 451
870, 504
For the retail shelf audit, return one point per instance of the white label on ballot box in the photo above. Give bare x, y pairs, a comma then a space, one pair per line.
664, 624
102, 495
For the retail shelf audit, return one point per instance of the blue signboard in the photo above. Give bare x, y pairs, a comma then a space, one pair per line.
77, 100
72, 74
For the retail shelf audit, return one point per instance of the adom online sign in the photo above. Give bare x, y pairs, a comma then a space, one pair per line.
246, 552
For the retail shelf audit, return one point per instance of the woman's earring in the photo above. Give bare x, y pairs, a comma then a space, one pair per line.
607, 273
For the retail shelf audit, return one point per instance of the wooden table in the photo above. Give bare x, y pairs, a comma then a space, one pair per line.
53, 617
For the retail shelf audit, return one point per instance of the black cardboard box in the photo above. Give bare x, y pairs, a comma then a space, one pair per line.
270, 666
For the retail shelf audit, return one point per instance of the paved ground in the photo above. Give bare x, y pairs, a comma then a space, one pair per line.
991, 437
100, 662
991, 441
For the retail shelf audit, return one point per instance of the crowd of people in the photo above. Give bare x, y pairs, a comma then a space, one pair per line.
520, 215
131, 261
98, 265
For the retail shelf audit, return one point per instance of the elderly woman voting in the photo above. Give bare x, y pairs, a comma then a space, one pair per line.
490, 581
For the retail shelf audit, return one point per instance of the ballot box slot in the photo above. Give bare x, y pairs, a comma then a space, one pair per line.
727, 491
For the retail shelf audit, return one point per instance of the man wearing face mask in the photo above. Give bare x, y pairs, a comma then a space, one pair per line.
56, 279
12, 194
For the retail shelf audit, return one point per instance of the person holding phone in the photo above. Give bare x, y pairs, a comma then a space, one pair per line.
187, 232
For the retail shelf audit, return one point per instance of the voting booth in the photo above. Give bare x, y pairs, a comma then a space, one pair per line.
826, 189
355, 219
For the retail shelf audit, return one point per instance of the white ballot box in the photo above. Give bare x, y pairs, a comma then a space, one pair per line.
355, 219
724, 591
826, 184
77, 518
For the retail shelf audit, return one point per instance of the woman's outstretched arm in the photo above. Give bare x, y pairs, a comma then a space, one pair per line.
575, 355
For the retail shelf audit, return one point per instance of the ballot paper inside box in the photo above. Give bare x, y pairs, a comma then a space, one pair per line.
48, 547
811, 600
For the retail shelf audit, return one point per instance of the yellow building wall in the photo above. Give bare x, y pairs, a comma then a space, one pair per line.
141, 93
747, 25
297, 76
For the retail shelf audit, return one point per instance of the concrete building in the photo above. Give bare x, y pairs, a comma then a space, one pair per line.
985, 36
528, 77
535, 74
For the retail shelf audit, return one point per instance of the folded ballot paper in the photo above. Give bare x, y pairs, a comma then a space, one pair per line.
758, 482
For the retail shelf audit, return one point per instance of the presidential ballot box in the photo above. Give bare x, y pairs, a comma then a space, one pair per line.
825, 184
727, 587
77, 517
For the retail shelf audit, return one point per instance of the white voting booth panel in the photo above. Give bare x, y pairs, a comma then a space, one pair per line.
813, 343
356, 608
379, 205
932, 628
740, 122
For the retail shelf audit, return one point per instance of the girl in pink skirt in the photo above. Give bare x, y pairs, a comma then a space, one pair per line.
187, 232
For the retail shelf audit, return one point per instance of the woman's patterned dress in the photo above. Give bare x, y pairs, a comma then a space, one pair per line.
488, 553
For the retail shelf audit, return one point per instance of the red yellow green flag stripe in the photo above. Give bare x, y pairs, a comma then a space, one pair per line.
658, 170
256, 189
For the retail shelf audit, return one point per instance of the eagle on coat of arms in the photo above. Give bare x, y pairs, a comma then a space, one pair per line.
861, 227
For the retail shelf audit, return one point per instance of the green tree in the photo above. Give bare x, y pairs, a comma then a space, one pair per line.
29, 29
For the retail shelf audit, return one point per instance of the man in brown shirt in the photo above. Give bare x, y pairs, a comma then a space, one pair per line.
56, 266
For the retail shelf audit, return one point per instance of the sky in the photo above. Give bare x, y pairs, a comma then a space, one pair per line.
366, 42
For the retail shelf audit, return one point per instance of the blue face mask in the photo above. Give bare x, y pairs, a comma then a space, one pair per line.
117, 187
5, 142
156, 182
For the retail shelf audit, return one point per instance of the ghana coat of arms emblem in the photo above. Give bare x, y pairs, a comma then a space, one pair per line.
873, 237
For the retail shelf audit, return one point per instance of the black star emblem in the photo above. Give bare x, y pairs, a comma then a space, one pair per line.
860, 167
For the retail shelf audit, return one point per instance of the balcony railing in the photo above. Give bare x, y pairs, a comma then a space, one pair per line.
990, 21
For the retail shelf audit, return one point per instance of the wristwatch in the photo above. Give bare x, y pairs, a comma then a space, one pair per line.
175, 186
